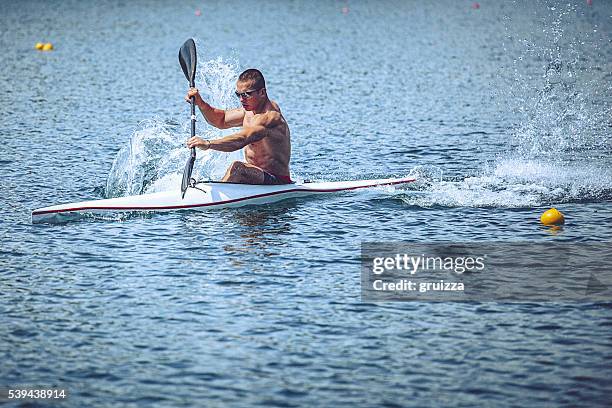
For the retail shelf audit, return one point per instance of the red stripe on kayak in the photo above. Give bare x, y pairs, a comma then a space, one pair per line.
176, 207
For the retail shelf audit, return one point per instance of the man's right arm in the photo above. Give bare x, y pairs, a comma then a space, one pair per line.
218, 118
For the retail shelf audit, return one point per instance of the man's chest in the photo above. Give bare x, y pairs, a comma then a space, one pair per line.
249, 119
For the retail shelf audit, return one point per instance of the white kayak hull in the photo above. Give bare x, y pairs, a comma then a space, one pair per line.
203, 196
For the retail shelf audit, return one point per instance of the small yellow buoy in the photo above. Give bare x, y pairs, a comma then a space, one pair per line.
39, 46
552, 217
47, 47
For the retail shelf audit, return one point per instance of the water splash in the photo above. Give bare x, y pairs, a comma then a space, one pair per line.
513, 183
569, 109
151, 152
155, 156
559, 152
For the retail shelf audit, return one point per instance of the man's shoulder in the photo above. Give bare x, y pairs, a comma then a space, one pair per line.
275, 106
268, 119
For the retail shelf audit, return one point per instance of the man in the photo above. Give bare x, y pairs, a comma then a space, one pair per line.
264, 134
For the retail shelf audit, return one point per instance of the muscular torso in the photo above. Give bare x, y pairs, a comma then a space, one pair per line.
273, 152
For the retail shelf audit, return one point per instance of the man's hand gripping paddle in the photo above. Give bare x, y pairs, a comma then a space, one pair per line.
188, 60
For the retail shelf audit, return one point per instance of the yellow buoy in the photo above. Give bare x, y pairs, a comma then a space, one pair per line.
552, 217
47, 47
39, 46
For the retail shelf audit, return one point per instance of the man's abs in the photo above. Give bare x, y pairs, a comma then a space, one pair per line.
262, 154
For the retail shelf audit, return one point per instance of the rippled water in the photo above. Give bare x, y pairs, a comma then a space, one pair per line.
500, 111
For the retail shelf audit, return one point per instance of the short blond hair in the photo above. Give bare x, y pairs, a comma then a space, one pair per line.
254, 75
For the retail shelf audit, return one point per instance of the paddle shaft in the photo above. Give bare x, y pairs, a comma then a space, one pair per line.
193, 123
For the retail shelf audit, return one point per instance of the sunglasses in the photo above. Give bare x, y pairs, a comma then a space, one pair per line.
246, 94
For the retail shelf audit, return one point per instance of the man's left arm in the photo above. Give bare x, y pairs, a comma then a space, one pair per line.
247, 135
238, 140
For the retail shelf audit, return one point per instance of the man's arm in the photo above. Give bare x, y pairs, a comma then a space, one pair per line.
242, 138
238, 140
248, 134
219, 118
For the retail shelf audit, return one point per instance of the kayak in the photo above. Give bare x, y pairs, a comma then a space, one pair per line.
204, 196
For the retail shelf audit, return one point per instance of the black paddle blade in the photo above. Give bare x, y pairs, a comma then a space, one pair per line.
189, 60
187, 172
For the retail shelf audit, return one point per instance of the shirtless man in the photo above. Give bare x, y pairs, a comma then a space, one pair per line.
264, 134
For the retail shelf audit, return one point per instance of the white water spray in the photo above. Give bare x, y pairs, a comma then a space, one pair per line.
155, 157
560, 150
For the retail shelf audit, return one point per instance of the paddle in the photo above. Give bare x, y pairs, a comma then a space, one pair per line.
188, 61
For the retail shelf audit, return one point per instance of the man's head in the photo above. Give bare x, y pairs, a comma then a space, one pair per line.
251, 89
